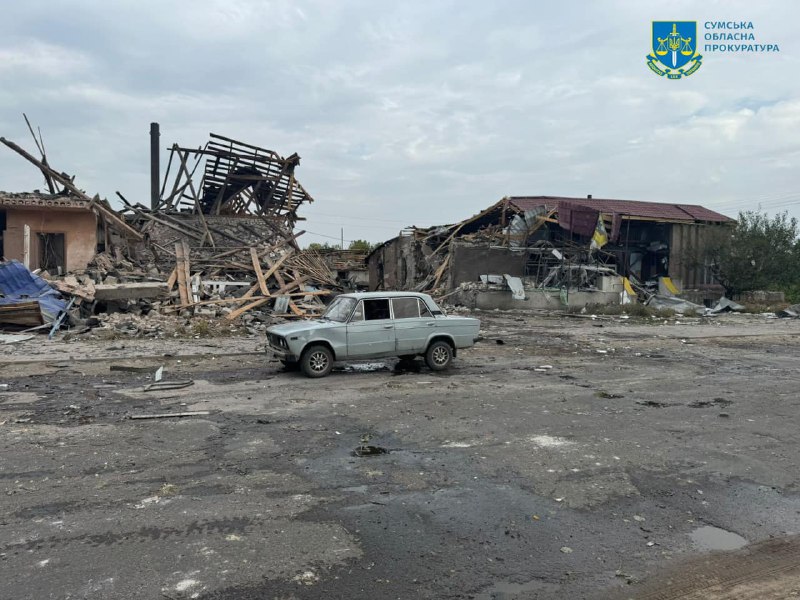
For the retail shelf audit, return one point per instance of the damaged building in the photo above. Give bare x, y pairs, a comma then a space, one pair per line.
217, 238
48, 232
573, 250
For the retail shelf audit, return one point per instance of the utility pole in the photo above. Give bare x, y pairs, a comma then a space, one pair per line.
342, 246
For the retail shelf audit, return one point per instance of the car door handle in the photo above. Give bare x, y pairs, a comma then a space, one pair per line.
431, 324
388, 326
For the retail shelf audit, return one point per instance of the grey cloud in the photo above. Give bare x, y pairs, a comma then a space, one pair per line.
416, 112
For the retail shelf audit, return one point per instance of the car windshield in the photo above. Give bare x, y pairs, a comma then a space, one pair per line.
340, 309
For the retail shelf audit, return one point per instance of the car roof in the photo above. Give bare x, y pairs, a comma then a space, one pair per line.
363, 295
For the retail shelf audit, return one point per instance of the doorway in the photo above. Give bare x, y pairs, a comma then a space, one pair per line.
52, 252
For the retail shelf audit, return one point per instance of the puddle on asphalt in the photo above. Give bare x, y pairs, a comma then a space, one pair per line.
407, 366
714, 538
369, 451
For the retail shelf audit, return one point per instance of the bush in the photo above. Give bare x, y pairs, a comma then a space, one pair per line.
758, 253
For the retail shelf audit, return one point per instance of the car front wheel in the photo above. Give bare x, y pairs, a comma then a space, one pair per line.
317, 361
439, 356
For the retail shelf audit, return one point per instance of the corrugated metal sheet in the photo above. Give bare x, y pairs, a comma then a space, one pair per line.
633, 208
577, 218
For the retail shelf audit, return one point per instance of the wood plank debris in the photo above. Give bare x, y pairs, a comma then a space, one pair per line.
220, 241
189, 413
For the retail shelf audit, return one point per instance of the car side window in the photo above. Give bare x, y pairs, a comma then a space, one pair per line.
424, 311
375, 310
405, 308
358, 313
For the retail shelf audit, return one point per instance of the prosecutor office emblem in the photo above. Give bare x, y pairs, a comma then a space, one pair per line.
674, 52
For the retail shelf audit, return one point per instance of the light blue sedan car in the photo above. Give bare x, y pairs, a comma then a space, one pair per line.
373, 325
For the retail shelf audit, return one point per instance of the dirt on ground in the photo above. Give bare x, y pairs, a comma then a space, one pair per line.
561, 457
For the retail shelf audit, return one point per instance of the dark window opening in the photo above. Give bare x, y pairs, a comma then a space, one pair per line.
52, 255
375, 310
2, 232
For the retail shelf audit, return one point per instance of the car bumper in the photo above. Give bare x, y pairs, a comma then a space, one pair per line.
282, 354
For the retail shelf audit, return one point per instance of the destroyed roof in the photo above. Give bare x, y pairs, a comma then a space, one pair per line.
655, 211
237, 178
38, 199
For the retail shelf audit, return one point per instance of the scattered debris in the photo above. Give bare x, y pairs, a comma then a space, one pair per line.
7, 338
707, 403
25, 298
790, 312
168, 385
652, 403
216, 242
607, 395
369, 451
193, 413
133, 368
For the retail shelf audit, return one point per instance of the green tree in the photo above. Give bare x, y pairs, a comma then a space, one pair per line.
326, 246
361, 245
759, 253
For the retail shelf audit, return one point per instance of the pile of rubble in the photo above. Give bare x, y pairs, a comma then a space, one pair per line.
221, 244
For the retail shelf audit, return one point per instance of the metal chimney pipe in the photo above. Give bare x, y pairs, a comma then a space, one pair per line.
155, 166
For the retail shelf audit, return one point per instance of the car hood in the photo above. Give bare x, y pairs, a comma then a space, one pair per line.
290, 328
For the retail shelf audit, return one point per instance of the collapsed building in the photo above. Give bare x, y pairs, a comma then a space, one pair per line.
218, 238
573, 251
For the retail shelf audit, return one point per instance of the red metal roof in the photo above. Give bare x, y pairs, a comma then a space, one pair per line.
633, 208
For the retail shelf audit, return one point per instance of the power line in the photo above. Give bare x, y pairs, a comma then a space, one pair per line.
333, 237
348, 225
368, 220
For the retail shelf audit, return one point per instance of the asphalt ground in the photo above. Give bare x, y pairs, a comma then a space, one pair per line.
559, 458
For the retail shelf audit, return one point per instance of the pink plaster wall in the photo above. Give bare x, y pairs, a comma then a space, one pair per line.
78, 226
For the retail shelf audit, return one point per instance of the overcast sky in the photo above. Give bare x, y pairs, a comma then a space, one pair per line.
413, 112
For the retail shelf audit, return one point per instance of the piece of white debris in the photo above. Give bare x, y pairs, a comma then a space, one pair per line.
306, 578
184, 585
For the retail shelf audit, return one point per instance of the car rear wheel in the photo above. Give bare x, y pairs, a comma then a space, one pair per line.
439, 356
317, 361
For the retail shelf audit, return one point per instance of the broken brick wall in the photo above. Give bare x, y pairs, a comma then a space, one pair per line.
468, 262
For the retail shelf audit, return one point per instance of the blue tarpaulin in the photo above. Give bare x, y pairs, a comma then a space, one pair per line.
18, 285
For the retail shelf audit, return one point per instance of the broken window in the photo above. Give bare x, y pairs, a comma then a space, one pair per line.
52, 256
375, 310
405, 308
